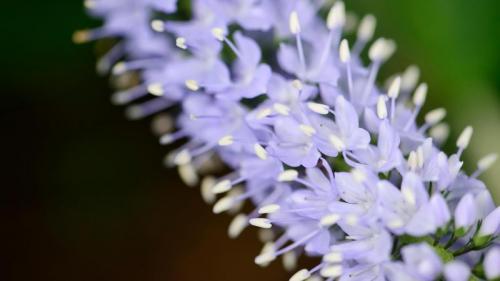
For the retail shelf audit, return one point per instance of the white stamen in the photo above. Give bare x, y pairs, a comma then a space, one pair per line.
412, 161
226, 140
333, 257
465, 137
409, 195
81, 36
119, 68
263, 113
301, 275
261, 222
294, 23
486, 162
344, 53
420, 157
358, 175
206, 190
265, 235
410, 78
366, 28
329, 220
381, 50
435, 116
290, 260
352, 220
395, 223
266, 255
156, 89
281, 109
180, 42
237, 225
260, 151
182, 158
269, 209
394, 88
420, 94
381, 107
307, 130
336, 16
288, 175
192, 85
222, 186
218, 33
337, 143
224, 204
166, 139
188, 174
89, 4
297, 84
331, 271
319, 108
440, 132
158, 25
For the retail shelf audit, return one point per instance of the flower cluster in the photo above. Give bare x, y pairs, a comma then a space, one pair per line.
335, 166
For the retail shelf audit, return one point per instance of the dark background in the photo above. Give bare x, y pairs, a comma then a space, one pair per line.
84, 193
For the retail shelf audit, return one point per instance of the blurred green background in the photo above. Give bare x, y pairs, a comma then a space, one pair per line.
85, 196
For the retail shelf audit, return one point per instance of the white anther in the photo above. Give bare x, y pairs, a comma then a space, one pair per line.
412, 161
263, 113
180, 42
319, 108
269, 209
358, 175
266, 255
156, 89
265, 235
218, 33
465, 137
261, 222
333, 257
294, 22
281, 109
188, 174
182, 158
420, 94
260, 151
409, 195
237, 225
381, 107
192, 85
381, 50
224, 204
226, 140
440, 132
222, 186
331, 271
288, 175
89, 4
206, 190
297, 84
329, 220
337, 143
158, 25
301, 275
367, 28
410, 78
435, 116
420, 157
352, 220
119, 68
336, 16
307, 130
394, 88
486, 162
344, 53
290, 260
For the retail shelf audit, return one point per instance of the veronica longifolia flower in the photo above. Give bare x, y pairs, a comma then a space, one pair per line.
335, 165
